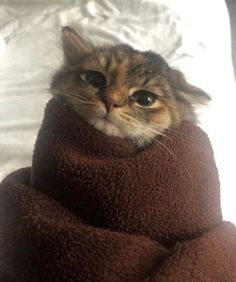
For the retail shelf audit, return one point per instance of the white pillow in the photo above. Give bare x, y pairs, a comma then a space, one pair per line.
193, 36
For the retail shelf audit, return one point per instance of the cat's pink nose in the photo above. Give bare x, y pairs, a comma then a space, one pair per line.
111, 103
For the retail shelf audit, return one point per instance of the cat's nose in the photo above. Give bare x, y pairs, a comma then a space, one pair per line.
111, 103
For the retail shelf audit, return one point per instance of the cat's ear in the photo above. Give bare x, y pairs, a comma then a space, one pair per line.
185, 90
74, 45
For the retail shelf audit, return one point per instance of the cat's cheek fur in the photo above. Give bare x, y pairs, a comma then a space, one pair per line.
163, 120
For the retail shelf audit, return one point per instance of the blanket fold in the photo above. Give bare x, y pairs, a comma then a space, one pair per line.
94, 208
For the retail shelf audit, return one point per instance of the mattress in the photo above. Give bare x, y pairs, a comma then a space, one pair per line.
193, 36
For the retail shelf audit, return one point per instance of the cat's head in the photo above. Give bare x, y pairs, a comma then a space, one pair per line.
121, 91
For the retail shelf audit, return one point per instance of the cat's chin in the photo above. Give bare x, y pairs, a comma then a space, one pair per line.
106, 127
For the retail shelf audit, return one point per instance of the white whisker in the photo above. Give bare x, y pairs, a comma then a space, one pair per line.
144, 124
161, 145
64, 91
22, 98
77, 98
177, 159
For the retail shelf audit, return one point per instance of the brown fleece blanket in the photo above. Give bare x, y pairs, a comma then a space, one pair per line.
93, 208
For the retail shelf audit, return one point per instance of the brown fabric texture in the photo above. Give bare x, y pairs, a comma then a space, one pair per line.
93, 208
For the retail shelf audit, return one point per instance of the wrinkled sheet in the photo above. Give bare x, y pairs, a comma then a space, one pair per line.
194, 36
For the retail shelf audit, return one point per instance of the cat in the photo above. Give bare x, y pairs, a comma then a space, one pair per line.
121, 91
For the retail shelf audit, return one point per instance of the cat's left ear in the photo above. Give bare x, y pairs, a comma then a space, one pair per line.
74, 45
185, 90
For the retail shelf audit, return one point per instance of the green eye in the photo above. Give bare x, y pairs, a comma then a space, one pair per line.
95, 78
144, 98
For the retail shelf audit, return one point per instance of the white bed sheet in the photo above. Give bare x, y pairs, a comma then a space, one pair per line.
193, 36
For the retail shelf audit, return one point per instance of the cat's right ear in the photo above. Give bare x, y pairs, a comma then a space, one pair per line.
74, 45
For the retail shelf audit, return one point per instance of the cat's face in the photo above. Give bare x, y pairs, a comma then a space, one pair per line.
121, 91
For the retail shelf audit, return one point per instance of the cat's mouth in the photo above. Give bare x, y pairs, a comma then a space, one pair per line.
107, 125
